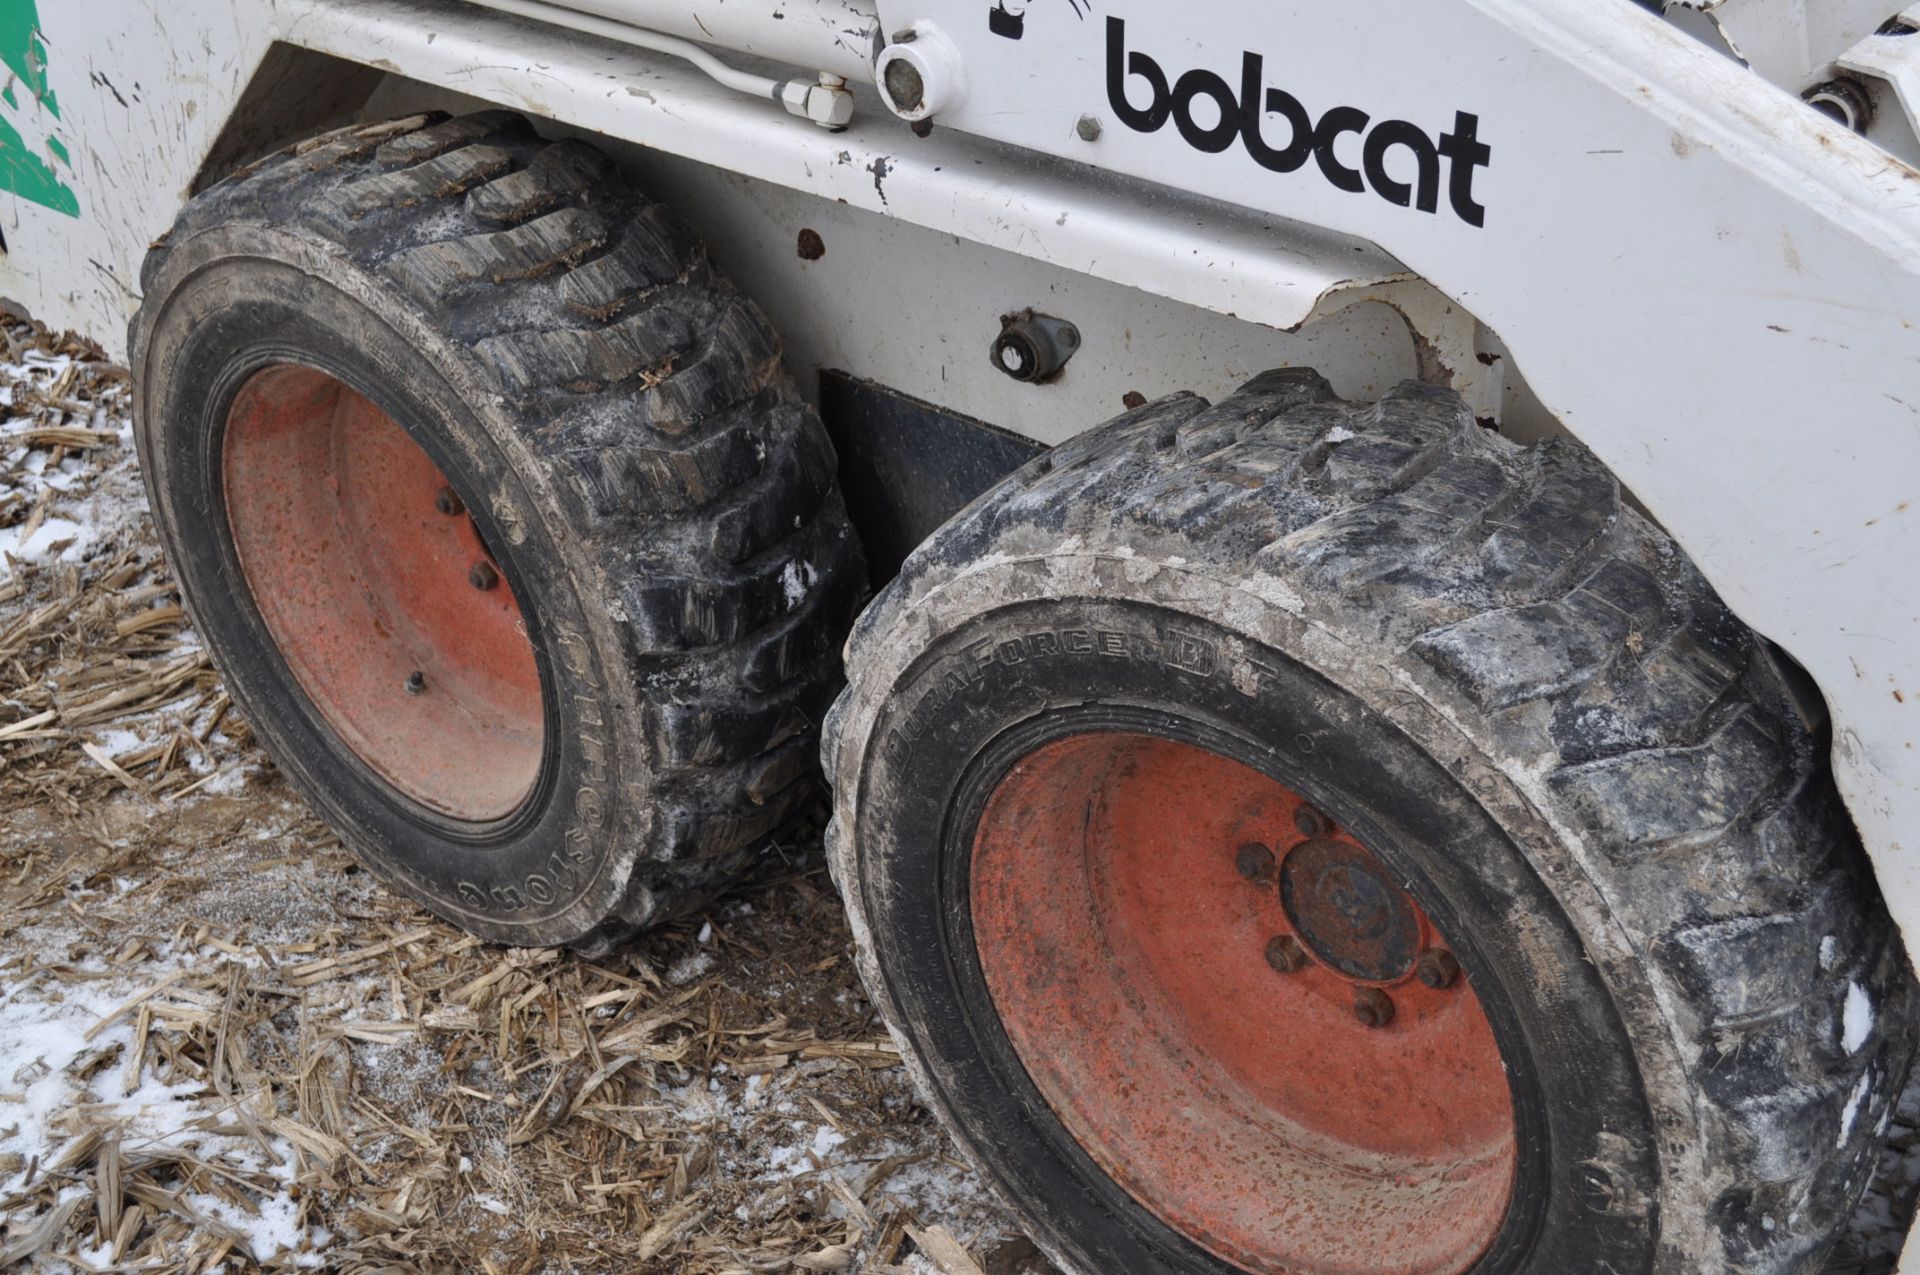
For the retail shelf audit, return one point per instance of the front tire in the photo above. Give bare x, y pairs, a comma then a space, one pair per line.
1069, 767
503, 522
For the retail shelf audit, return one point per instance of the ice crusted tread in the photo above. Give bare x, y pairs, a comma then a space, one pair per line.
1663, 729
566, 286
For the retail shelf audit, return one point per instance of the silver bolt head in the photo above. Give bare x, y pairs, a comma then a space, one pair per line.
1088, 128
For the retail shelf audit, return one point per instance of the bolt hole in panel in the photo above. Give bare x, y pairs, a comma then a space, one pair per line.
1326, 1112
384, 602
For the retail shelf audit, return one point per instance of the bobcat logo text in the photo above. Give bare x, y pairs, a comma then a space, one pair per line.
1243, 117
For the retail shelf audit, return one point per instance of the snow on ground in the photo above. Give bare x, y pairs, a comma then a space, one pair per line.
93, 512
62, 1042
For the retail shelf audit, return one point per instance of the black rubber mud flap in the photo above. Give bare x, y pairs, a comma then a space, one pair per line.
1591, 774
640, 476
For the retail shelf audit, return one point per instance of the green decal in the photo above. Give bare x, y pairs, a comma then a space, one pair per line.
30, 177
24, 53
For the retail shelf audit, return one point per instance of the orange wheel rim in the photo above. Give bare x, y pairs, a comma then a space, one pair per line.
1239, 1013
385, 603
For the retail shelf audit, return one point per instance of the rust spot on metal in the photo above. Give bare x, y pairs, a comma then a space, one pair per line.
812, 247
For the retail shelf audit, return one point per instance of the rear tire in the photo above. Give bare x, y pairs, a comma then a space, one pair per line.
499, 515
1487, 671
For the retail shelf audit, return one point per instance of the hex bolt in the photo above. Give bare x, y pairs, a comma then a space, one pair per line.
448, 502
416, 683
1438, 969
1373, 1007
1088, 128
1309, 821
1286, 956
482, 575
1255, 862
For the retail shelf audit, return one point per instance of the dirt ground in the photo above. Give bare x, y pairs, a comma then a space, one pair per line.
223, 1046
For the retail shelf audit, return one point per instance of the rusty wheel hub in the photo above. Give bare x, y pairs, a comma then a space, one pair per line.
1347, 912
1239, 1013
380, 594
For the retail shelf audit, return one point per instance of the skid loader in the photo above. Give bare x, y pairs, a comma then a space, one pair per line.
1353, 569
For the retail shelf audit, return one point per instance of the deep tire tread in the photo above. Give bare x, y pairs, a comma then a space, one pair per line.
700, 486
1571, 638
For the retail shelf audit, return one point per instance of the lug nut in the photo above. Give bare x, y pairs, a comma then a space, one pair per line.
1438, 969
1373, 1007
482, 575
1309, 821
448, 502
1255, 862
1286, 955
416, 682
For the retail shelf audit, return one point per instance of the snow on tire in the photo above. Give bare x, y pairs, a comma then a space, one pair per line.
1268, 764
505, 525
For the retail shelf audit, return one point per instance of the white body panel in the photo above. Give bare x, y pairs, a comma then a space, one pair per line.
1712, 286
